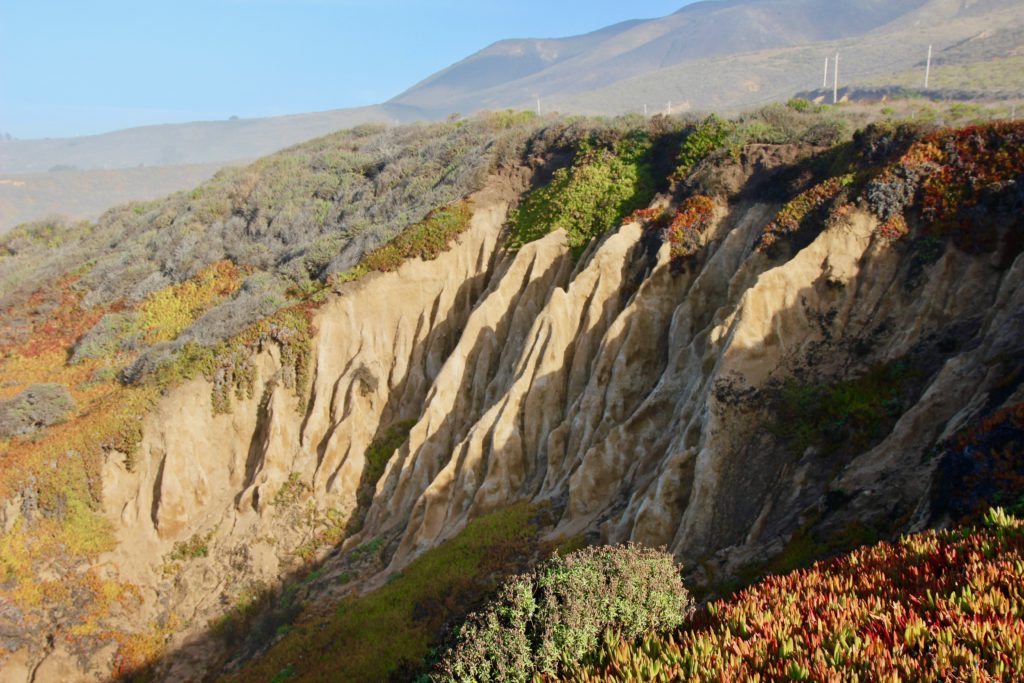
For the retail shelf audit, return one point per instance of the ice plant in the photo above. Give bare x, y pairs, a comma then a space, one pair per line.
940, 605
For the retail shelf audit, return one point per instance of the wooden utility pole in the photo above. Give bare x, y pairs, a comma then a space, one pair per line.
928, 68
835, 83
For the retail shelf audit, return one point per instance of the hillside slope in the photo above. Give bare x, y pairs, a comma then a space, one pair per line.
201, 142
515, 72
75, 195
759, 51
783, 357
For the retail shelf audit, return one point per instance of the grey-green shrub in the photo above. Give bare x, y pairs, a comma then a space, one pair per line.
558, 613
38, 406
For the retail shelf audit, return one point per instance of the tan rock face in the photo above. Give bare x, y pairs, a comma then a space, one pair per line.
629, 395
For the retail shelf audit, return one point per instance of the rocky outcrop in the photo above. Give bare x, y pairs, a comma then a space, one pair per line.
619, 402
638, 397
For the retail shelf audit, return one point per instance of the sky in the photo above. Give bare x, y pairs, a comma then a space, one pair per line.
77, 67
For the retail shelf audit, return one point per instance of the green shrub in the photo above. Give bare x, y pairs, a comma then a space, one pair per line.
425, 240
709, 136
558, 613
603, 185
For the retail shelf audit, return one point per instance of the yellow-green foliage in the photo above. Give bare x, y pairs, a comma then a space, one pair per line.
291, 490
593, 195
195, 547
168, 312
368, 637
709, 136
424, 240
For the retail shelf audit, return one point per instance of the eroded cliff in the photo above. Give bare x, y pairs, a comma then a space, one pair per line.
640, 395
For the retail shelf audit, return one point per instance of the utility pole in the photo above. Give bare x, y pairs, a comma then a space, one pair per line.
645, 111
1013, 112
835, 83
824, 79
538, 106
928, 68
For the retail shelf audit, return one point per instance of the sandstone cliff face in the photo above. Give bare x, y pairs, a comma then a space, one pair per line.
631, 394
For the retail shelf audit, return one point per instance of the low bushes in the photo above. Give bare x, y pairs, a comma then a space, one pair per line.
790, 220
542, 621
38, 406
964, 184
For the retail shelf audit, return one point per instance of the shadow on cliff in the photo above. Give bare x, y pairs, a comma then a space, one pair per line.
760, 473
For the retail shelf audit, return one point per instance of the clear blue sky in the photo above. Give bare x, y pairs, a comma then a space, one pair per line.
74, 67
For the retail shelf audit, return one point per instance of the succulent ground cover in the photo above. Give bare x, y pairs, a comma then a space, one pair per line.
940, 605
963, 185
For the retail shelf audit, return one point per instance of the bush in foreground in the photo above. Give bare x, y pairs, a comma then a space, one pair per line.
935, 606
544, 620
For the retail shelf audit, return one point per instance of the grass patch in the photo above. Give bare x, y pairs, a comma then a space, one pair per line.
368, 638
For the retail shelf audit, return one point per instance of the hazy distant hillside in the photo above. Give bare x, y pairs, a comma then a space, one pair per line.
188, 143
895, 55
87, 194
514, 72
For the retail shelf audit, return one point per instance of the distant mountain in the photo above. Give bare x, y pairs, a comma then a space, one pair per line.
516, 72
186, 143
959, 32
674, 52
